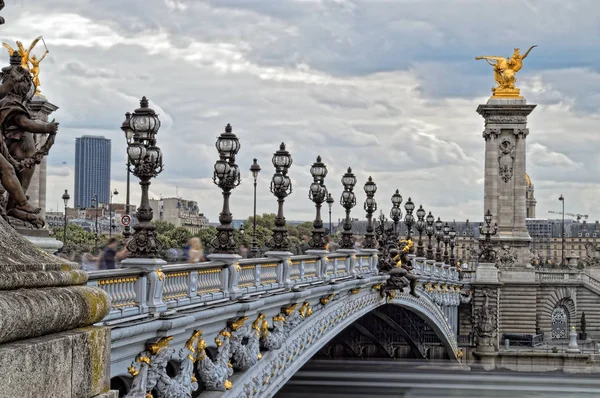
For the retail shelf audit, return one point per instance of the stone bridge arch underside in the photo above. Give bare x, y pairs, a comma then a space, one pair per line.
269, 374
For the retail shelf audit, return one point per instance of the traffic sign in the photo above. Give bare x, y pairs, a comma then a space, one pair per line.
126, 220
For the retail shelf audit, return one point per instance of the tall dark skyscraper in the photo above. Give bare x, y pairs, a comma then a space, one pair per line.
92, 170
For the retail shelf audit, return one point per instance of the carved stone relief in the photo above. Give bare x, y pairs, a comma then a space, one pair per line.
506, 158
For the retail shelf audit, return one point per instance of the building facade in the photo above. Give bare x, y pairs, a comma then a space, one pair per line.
92, 170
180, 212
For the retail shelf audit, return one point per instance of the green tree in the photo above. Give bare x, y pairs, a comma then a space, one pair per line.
206, 236
178, 236
162, 227
79, 240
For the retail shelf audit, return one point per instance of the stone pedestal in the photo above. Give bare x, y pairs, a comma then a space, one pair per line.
486, 273
285, 271
373, 258
350, 261
43, 304
41, 239
573, 347
505, 182
322, 271
155, 280
40, 110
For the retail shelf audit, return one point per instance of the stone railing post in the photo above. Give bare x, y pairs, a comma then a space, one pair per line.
322, 262
372, 258
155, 277
419, 265
429, 267
286, 266
437, 271
350, 260
230, 283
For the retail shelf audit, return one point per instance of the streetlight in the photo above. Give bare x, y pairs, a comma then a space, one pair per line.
439, 235
396, 212
330, 202
370, 207
420, 228
281, 187
254, 251
348, 201
487, 253
146, 159
318, 193
452, 235
562, 240
110, 212
95, 207
446, 239
429, 230
242, 231
409, 220
226, 176
65, 199
129, 139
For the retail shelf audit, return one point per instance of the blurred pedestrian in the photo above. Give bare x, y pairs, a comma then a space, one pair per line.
196, 251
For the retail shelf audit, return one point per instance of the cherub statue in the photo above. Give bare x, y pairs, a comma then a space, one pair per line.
18, 154
505, 70
22, 51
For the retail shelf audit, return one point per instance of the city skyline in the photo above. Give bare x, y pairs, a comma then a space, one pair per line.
401, 98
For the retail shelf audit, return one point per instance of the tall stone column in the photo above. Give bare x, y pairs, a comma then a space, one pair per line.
40, 110
505, 156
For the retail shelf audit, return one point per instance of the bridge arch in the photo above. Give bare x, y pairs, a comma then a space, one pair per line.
266, 377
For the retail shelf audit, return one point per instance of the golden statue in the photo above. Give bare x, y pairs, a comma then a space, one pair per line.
22, 51
35, 70
504, 73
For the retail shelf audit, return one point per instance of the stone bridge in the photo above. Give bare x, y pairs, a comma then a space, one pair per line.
248, 326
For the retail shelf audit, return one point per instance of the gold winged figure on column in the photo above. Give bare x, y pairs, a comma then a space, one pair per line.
505, 70
27, 58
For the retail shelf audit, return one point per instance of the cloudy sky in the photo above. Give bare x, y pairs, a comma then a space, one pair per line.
389, 88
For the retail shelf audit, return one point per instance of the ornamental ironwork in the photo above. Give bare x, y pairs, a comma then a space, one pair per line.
370, 207
348, 201
281, 187
318, 194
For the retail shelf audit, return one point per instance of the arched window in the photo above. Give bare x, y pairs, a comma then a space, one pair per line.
560, 322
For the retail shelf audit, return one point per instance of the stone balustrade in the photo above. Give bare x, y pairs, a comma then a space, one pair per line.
138, 293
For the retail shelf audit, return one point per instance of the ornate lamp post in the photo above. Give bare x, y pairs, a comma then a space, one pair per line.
129, 139
146, 162
439, 235
487, 253
452, 235
255, 169
429, 230
318, 193
370, 207
330, 202
226, 176
562, 232
396, 212
348, 201
409, 220
110, 212
95, 207
281, 187
446, 239
65, 199
420, 228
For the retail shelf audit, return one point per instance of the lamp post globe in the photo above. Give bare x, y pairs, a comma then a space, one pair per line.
348, 201
226, 176
318, 194
370, 207
145, 160
330, 201
420, 226
429, 230
281, 187
254, 169
439, 234
65, 198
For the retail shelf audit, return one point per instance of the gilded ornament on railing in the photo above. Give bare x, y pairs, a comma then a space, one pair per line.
235, 325
505, 70
325, 300
215, 374
161, 275
289, 309
355, 291
305, 311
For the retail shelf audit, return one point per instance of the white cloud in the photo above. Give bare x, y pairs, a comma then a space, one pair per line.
389, 88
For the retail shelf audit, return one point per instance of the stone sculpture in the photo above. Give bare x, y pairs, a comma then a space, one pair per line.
506, 159
18, 154
484, 321
505, 70
274, 339
245, 343
149, 370
215, 374
507, 257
